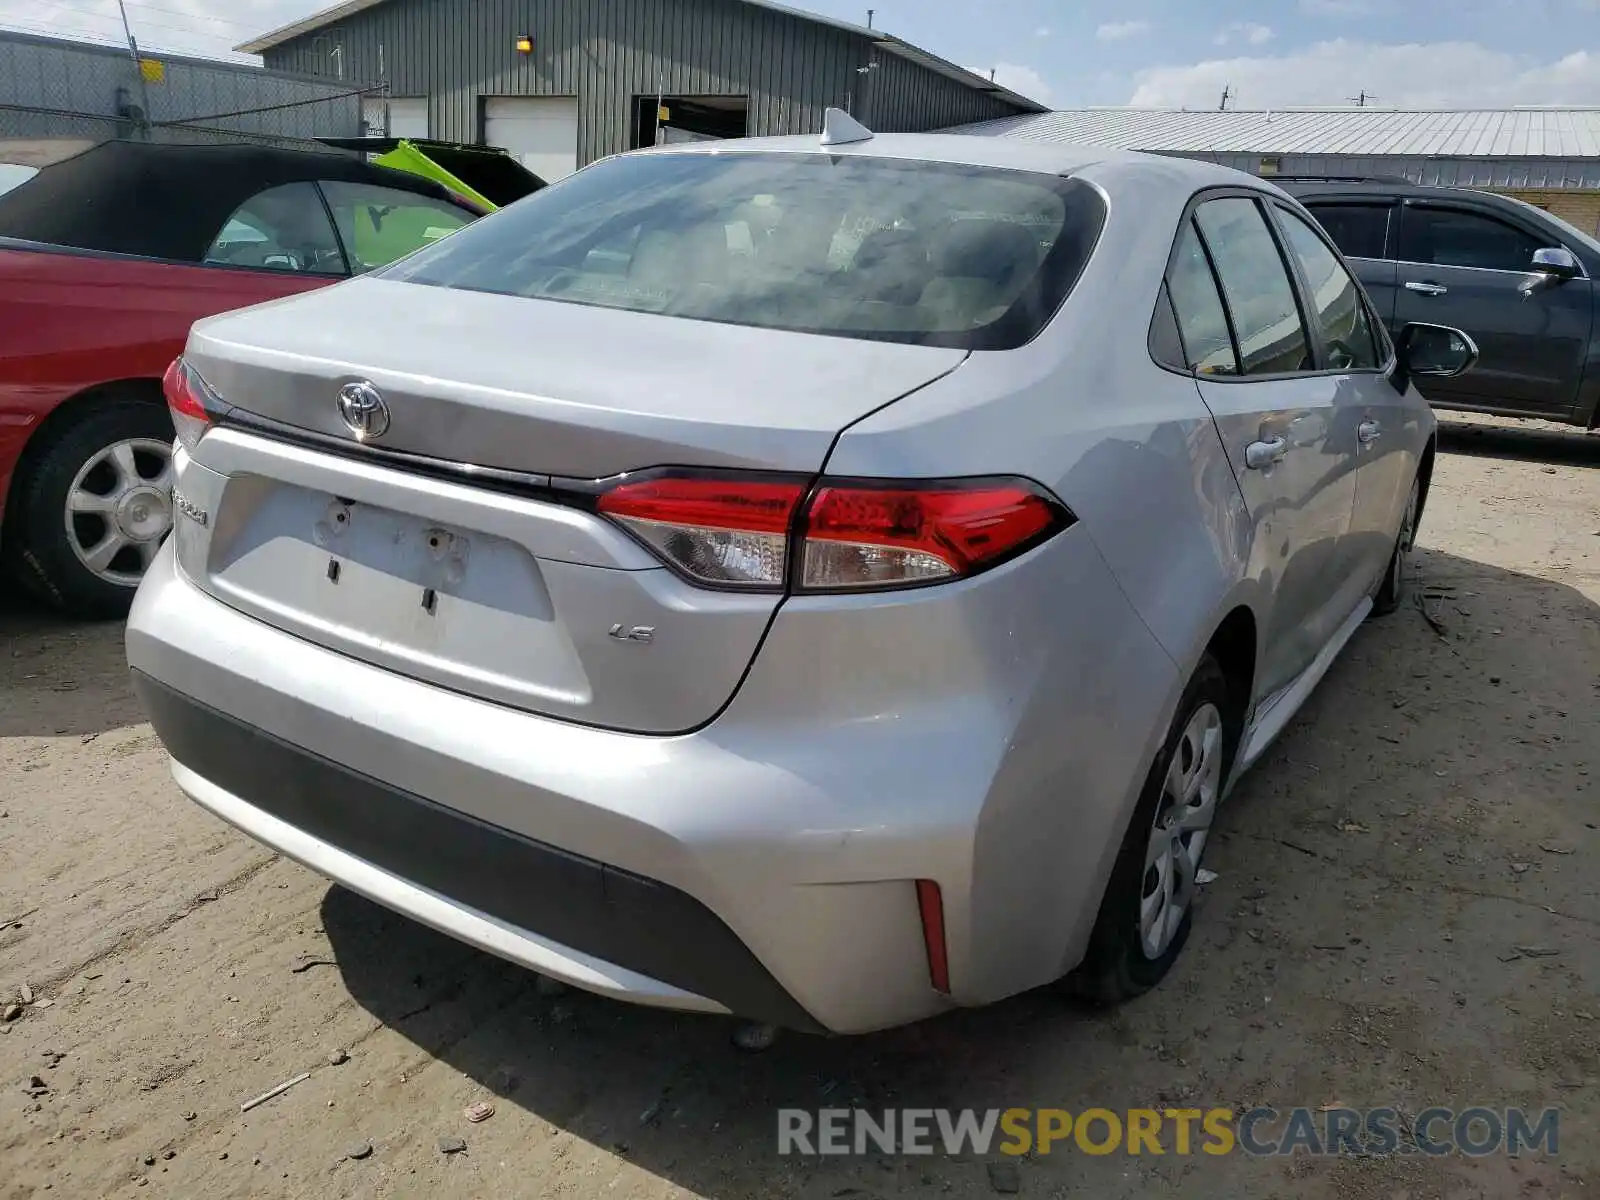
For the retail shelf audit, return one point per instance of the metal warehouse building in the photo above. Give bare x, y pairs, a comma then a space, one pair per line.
1547, 156
561, 83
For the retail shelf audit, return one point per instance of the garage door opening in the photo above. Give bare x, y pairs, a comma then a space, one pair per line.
668, 119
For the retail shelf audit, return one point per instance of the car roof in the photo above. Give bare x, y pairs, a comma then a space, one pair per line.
164, 200
1017, 154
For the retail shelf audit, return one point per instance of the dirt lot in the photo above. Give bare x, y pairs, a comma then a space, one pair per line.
1432, 809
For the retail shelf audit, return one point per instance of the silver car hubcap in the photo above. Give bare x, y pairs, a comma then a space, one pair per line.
119, 508
1178, 835
1402, 548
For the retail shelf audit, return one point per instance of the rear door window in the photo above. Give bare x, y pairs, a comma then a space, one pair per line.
919, 252
281, 229
1453, 237
1202, 322
380, 224
1256, 286
1348, 341
1360, 230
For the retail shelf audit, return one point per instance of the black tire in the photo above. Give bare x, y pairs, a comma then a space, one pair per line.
38, 554
1391, 593
1116, 967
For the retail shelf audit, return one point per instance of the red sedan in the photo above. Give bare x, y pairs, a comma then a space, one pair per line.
107, 256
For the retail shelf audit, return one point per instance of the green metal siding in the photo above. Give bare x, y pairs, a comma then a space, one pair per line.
606, 52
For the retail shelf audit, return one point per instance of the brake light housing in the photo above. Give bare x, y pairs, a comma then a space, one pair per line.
187, 395
754, 532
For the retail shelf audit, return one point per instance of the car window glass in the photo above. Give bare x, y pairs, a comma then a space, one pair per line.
1449, 237
1348, 342
1357, 229
14, 175
1202, 323
1256, 287
281, 229
843, 245
380, 224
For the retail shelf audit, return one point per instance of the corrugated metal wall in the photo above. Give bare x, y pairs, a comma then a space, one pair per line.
607, 52
54, 88
904, 97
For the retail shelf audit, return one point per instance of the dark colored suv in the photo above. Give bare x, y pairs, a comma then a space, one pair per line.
1519, 280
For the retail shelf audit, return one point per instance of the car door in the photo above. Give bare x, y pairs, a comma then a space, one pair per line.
1392, 431
1289, 430
1364, 229
1465, 268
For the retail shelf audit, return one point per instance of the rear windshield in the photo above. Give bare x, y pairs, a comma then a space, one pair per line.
891, 250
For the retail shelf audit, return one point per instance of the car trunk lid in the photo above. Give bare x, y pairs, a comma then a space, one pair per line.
510, 593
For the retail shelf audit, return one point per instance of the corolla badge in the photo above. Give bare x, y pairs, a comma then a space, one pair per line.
363, 409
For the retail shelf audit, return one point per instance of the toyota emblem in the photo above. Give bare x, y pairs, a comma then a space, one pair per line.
363, 410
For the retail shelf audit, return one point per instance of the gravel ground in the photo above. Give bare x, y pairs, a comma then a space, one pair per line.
1432, 809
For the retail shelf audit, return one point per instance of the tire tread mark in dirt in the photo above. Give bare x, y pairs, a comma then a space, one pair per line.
134, 938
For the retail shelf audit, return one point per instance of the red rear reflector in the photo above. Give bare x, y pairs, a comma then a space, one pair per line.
867, 536
930, 902
730, 532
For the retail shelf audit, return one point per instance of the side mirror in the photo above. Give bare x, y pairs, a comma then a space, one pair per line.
1551, 266
1434, 351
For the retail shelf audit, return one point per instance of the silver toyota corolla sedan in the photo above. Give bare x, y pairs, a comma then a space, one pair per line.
828, 582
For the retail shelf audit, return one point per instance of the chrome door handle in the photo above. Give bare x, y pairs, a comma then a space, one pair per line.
1369, 432
1426, 289
1259, 456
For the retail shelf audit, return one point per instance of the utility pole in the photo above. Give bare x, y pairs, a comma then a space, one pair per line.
1227, 94
1361, 100
870, 13
138, 67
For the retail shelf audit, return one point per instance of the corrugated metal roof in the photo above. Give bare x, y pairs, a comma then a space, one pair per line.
886, 41
1368, 132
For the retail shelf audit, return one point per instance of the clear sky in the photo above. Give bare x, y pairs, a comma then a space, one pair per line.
1403, 53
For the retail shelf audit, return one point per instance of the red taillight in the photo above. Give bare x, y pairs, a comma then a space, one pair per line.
728, 531
733, 530
930, 904
189, 416
866, 536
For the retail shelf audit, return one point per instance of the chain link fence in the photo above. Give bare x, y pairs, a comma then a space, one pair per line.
61, 90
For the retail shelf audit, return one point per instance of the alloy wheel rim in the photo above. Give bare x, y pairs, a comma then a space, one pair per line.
1188, 805
119, 509
1408, 537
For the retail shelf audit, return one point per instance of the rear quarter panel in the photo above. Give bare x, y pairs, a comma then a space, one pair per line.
1132, 450
71, 321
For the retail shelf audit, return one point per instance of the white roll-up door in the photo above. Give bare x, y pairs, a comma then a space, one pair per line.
540, 131
408, 116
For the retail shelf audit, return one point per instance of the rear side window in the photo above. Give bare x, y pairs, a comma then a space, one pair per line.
14, 175
1255, 284
1348, 341
379, 224
1359, 230
281, 229
1452, 237
883, 249
1202, 323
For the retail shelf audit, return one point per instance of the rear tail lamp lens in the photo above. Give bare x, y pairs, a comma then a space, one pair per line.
862, 537
736, 531
729, 532
185, 391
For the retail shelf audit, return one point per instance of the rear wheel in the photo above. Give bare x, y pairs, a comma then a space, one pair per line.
92, 507
1392, 591
1148, 905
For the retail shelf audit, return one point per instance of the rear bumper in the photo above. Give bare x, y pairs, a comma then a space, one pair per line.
989, 736
486, 886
